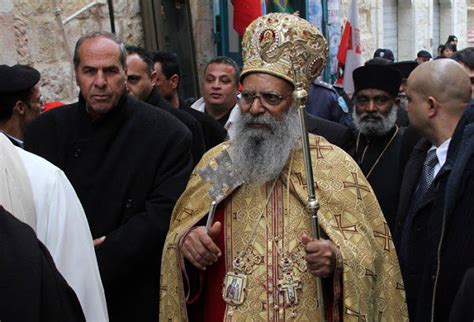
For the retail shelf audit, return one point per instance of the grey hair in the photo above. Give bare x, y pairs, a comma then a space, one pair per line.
101, 34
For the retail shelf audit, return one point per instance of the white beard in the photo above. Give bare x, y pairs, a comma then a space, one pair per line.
260, 154
383, 124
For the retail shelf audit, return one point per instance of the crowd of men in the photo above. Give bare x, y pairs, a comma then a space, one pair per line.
132, 204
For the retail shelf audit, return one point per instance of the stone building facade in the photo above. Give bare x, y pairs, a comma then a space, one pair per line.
31, 34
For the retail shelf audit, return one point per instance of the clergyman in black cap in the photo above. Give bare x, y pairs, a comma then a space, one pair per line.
453, 42
379, 139
423, 56
20, 100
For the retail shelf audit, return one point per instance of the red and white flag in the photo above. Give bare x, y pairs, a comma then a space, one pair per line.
246, 11
350, 52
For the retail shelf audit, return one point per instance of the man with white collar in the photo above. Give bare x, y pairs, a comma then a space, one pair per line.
219, 92
20, 100
435, 215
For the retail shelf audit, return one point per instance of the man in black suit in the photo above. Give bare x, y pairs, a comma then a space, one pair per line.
128, 163
168, 73
433, 235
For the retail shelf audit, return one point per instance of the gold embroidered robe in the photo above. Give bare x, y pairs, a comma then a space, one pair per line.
372, 287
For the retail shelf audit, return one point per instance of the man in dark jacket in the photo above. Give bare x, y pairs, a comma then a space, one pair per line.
20, 100
128, 164
166, 66
31, 288
433, 235
379, 140
141, 81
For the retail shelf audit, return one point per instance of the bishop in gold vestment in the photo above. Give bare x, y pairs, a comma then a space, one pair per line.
268, 264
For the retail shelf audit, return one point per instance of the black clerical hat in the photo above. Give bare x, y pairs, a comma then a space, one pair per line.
380, 77
405, 67
424, 54
18, 78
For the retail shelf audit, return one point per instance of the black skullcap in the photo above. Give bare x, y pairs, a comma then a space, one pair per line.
384, 53
18, 78
380, 77
405, 67
424, 54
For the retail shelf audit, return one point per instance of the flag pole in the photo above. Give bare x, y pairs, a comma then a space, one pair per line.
324, 26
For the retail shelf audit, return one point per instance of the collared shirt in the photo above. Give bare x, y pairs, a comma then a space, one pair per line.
441, 153
14, 140
234, 116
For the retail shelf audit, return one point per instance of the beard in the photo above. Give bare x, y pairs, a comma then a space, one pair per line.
260, 154
375, 123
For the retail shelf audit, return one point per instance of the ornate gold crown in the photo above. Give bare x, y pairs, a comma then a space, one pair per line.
285, 46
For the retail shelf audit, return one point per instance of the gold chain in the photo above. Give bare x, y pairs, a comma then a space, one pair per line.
381, 153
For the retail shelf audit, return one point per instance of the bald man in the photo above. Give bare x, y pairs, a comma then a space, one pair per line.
434, 235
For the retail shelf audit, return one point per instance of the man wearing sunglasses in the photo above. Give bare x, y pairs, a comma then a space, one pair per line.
256, 259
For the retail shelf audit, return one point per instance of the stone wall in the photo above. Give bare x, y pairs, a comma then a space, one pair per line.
31, 35
202, 20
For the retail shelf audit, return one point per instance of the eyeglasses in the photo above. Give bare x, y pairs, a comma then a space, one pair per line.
268, 100
379, 100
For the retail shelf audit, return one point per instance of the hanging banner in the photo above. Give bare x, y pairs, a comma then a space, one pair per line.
315, 16
334, 29
315, 13
350, 52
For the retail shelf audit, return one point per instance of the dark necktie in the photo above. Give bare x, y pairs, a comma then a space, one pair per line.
426, 178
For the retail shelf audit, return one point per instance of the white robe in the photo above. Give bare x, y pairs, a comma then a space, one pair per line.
61, 225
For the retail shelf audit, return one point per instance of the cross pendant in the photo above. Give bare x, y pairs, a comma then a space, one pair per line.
290, 285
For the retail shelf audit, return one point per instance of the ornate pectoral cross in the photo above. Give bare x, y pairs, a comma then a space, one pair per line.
220, 177
290, 285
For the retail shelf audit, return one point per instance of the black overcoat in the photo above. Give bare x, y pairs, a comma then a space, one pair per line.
31, 288
128, 169
198, 146
441, 237
388, 167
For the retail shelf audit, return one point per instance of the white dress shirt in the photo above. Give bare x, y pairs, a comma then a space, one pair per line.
234, 116
441, 153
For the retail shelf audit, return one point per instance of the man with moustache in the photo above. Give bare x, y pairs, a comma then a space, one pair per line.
128, 163
219, 92
256, 260
379, 139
